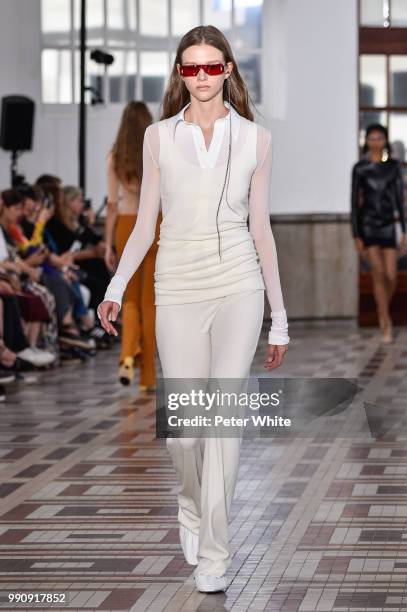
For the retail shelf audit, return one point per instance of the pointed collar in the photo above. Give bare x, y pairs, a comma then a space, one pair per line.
235, 119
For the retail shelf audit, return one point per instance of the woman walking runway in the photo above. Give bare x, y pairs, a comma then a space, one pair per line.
377, 196
124, 170
209, 164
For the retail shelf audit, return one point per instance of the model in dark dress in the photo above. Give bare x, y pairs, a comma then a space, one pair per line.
377, 193
377, 200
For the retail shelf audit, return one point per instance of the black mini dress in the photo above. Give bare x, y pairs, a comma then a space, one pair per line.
377, 194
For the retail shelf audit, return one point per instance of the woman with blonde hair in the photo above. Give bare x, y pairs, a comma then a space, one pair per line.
124, 172
210, 164
70, 231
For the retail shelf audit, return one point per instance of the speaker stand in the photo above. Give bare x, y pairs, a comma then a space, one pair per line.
16, 179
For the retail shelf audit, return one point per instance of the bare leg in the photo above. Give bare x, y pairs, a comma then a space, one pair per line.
380, 289
68, 318
33, 332
69, 322
390, 267
379, 280
87, 321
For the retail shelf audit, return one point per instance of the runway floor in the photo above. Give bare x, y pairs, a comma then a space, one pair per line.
319, 523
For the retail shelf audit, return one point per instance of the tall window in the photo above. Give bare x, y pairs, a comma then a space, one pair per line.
142, 36
383, 70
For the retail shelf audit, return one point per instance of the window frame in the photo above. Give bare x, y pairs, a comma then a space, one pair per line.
387, 41
141, 44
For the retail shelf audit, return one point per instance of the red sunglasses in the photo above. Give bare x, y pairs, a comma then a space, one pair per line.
189, 70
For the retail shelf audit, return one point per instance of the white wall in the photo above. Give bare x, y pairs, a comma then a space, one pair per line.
310, 103
310, 90
56, 127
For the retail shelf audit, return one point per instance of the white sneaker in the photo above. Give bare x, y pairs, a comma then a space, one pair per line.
190, 544
36, 356
46, 356
28, 354
210, 584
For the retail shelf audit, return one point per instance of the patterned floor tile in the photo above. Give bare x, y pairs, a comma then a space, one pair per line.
319, 523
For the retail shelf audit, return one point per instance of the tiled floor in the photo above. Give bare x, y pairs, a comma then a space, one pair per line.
88, 496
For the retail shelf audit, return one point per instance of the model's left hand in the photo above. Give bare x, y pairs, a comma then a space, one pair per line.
403, 245
275, 355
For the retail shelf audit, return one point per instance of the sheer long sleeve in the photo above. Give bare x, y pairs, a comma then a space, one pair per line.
400, 198
261, 232
355, 201
143, 233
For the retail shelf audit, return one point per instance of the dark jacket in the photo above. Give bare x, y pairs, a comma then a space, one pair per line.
377, 192
62, 237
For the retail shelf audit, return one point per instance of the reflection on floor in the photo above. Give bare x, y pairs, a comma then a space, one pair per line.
88, 496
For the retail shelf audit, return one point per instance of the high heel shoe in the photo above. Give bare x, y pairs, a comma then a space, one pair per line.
126, 371
147, 388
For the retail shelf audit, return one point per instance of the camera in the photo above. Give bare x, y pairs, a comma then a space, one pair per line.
101, 57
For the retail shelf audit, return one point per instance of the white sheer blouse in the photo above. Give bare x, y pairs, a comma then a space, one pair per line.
189, 139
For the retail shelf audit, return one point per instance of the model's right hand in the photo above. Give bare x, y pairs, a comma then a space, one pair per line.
275, 355
360, 247
107, 312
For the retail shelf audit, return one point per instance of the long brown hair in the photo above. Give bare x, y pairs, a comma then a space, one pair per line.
127, 150
54, 192
176, 95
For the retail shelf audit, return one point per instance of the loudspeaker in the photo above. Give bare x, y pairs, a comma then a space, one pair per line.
17, 122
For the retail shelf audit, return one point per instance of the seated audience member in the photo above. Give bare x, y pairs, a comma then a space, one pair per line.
63, 259
16, 355
37, 210
15, 348
36, 304
7, 376
10, 360
7, 360
55, 290
70, 229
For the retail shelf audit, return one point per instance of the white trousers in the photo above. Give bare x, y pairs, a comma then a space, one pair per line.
211, 339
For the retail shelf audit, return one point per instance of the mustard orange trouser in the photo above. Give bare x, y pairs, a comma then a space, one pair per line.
138, 309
